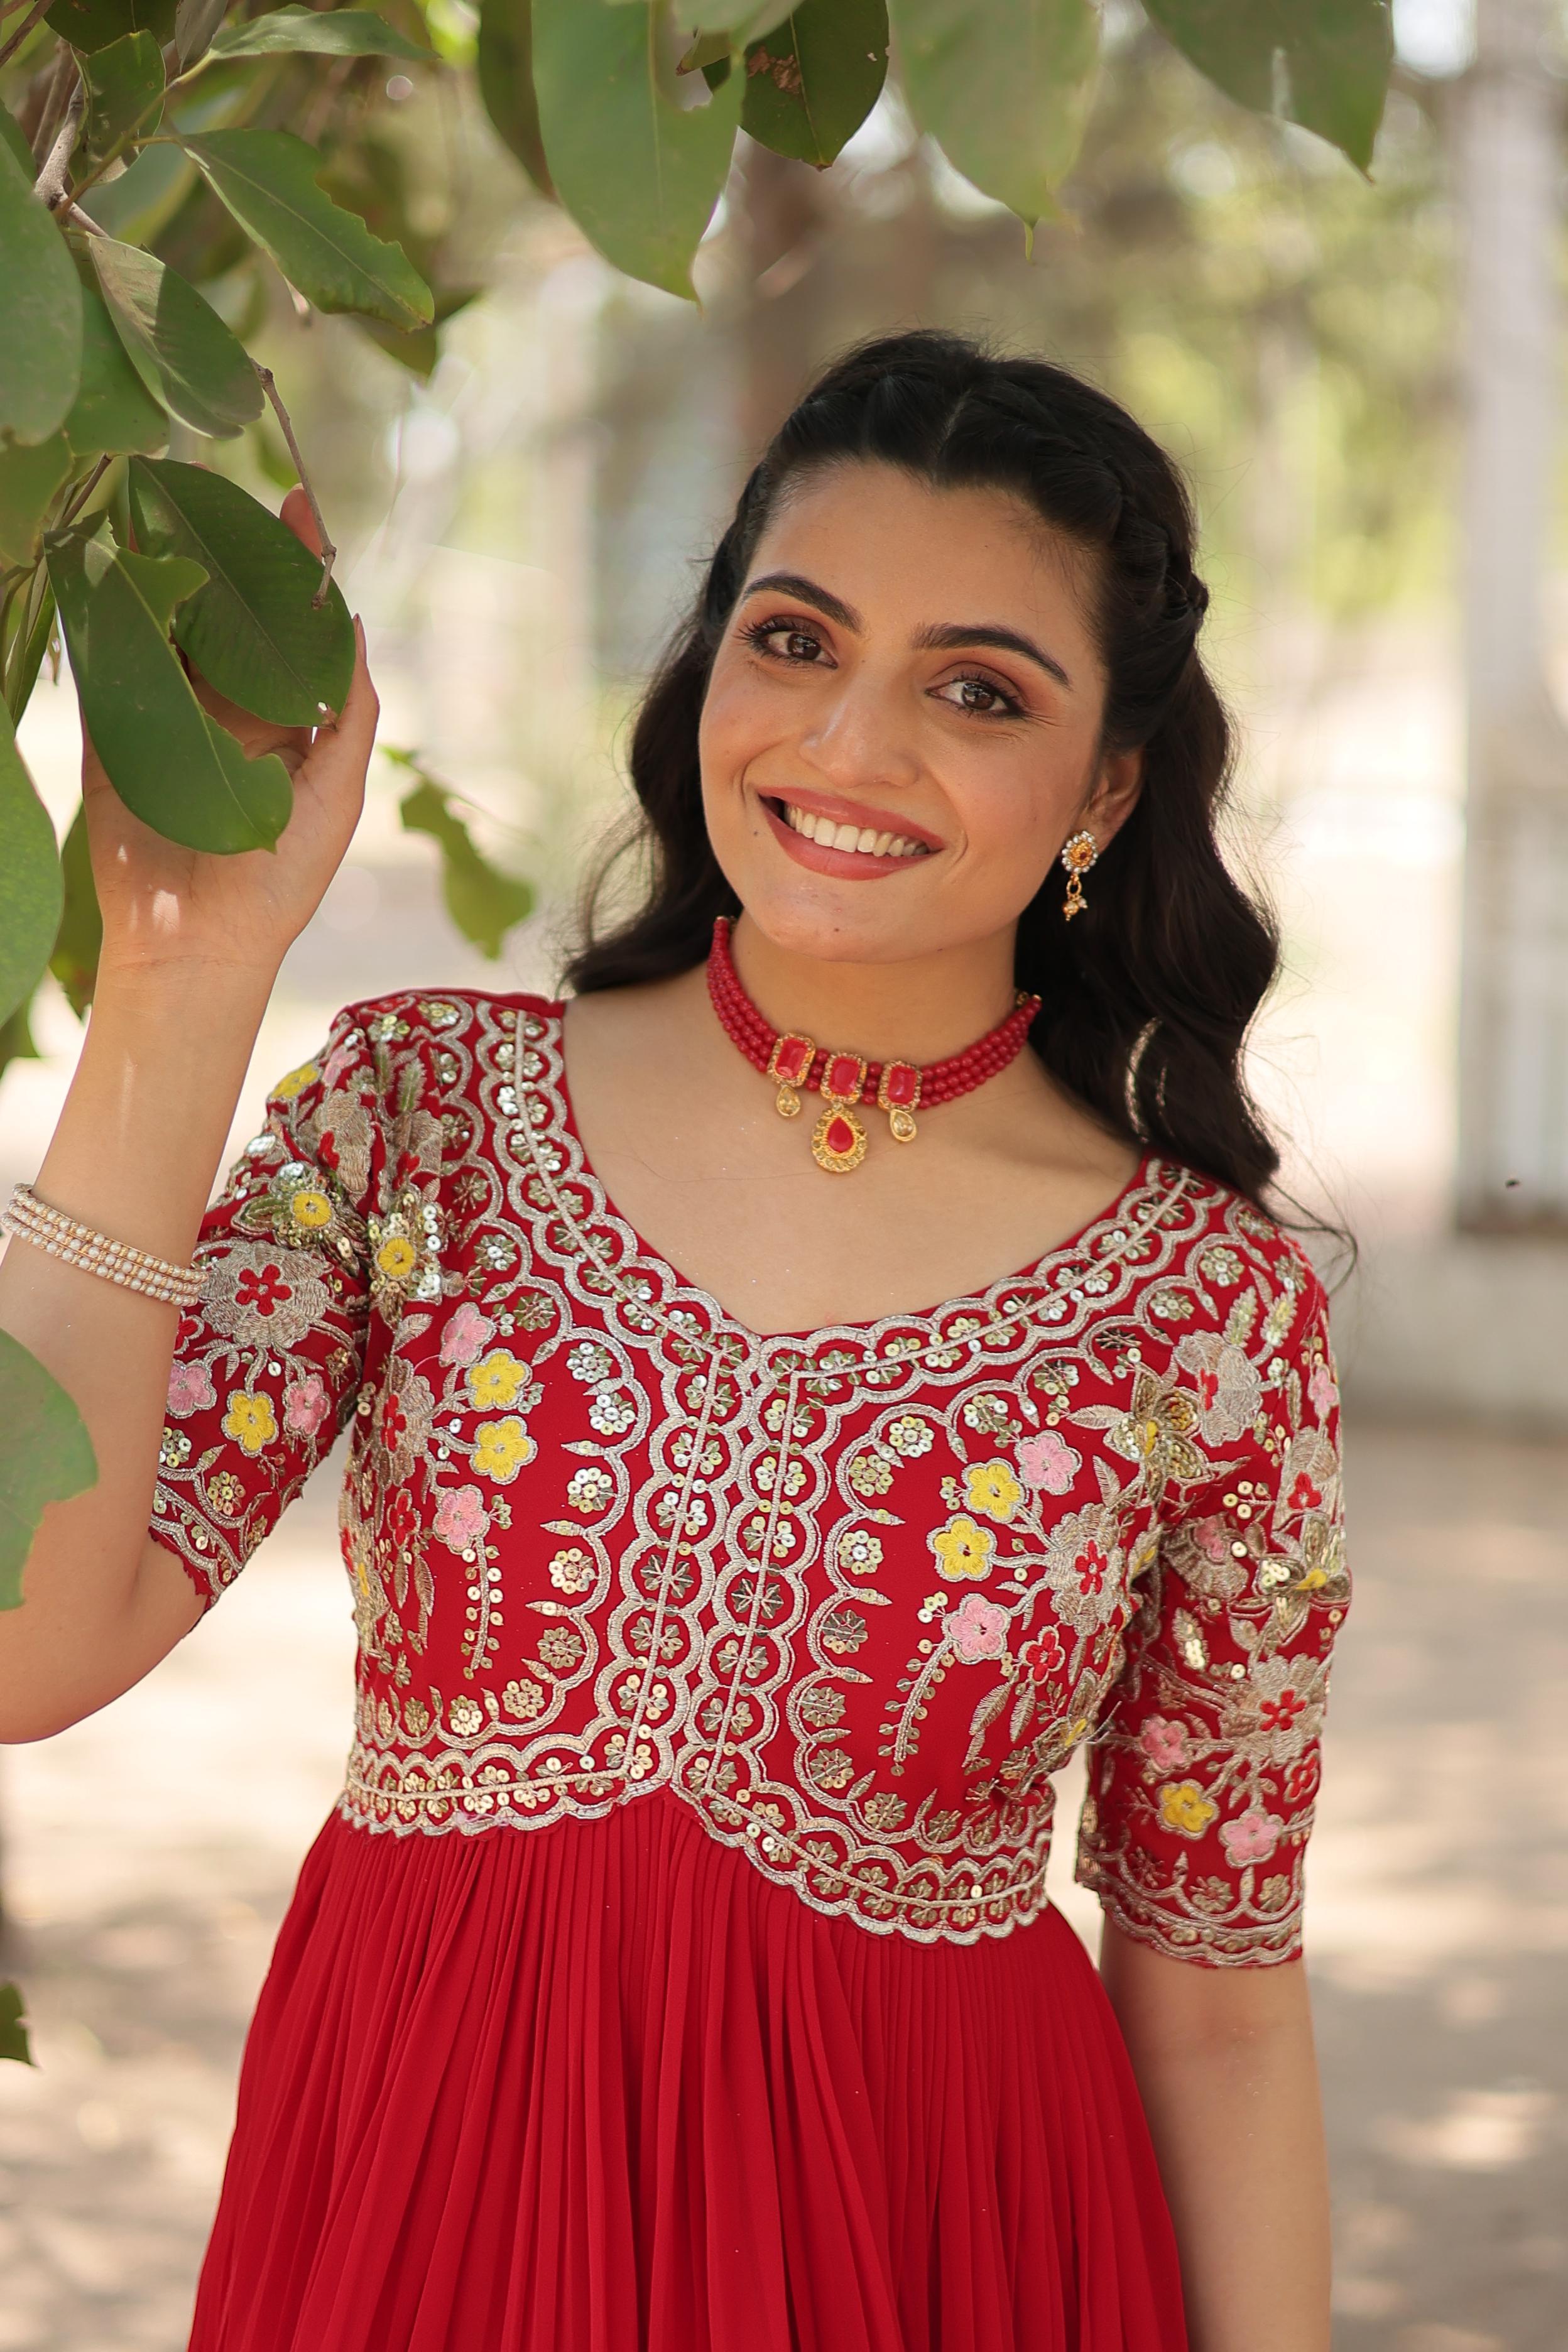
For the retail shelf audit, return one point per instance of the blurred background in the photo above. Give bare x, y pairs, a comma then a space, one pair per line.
1360, 382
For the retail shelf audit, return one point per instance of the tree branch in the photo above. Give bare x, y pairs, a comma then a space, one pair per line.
22, 31
50, 185
329, 552
85, 492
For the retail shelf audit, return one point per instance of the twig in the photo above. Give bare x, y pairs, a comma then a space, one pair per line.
50, 185
81, 220
85, 492
329, 552
23, 30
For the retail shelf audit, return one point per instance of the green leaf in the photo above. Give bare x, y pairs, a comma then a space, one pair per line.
176, 342
1003, 89
40, 348
171, 764
93, 25
31, 890
139, 206
45, 1457
14, 2043
505, 64
744, 20
196, 22
114, 411
267, 181
253, 631
1325, 67
638, 170
16, 1040
811, 84
11, 138
340, 33
27, 647
29, 476
483, 902
124, 84
80, 939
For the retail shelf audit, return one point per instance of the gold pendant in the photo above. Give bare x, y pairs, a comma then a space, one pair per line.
838, 1140
786, 1102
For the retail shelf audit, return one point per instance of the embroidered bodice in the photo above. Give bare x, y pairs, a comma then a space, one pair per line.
853, 1596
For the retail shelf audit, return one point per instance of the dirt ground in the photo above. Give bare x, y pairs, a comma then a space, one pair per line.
151, 1853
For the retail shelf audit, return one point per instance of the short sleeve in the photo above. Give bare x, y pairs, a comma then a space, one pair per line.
268, 1363
1202, 1783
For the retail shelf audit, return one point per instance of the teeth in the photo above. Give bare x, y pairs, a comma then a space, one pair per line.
863, 839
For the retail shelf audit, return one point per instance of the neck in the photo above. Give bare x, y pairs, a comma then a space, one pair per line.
920, 1010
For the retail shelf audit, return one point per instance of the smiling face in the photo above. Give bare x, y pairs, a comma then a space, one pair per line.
902, 724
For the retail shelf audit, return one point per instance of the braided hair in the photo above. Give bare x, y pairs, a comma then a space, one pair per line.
1148, 998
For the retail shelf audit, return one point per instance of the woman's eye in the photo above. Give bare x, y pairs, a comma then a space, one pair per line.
777, 639
980, 696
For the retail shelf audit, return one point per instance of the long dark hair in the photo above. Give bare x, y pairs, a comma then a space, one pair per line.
1148, 996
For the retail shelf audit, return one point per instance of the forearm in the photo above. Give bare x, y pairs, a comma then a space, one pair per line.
134, 1156
1227, 2073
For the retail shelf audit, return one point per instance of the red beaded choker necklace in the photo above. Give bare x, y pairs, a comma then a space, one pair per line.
794, 1062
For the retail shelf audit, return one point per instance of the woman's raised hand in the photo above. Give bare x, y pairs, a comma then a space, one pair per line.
165, 907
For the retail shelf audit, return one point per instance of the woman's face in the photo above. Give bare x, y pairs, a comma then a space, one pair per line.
903, 720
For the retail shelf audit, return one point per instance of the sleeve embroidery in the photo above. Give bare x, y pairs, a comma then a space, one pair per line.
1202, 1783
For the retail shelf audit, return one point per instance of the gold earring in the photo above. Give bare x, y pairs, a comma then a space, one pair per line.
1079, 852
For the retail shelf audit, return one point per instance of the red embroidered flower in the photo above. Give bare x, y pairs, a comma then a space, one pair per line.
265, 1290
1042, 1657
393, 1422
1208, 1387
1303, 1495
1302, 1780
1280, 1714
402, 1519
327, 1150
1093, 1568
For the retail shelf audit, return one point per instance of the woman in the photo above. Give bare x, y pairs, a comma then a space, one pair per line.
738, 1544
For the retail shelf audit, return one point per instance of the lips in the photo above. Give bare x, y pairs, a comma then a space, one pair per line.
845, 836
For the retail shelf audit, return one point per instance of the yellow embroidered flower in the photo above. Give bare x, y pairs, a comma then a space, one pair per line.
297, 1081
497, 1379
991, 1487
396, 1258
501, 1448
963, 1549
249, 1421
1184, 1807
310, 1208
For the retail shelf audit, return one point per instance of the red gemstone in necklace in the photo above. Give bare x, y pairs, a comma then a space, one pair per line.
797, 1063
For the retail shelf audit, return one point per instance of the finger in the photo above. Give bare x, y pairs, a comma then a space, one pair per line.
353, 732
295, 513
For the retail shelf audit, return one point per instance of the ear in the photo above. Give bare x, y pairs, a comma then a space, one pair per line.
1115, 796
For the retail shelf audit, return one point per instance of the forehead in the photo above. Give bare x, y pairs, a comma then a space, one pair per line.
896, 547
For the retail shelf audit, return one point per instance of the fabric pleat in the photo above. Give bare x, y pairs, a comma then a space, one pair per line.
602, 2087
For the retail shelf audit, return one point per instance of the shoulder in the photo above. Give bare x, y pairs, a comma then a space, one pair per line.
1236, 1269
377, 1040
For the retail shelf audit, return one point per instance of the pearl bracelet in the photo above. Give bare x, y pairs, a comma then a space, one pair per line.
32, 1219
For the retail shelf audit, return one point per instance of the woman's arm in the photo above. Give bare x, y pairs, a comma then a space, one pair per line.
1226, 2065
192, 944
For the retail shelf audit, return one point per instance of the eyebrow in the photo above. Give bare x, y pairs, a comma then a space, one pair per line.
937, 637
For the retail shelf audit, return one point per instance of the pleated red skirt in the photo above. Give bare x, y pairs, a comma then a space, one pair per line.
605, 2088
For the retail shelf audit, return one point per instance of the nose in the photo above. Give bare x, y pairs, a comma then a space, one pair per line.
861, 735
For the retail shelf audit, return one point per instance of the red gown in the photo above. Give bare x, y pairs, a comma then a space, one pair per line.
676, 1971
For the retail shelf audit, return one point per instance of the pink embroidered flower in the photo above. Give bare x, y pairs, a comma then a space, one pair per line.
340, 1059
1164, 1743
1251, 1837
461, 1518
1323, 1389
1211, 1537
189, 1389
305, 1405
467, 1336
977, 1629
1049, 1461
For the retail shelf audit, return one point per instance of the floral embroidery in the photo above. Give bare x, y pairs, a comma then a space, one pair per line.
1118, 1469
963, 1549
991, 1487
249, 1421
501, 1448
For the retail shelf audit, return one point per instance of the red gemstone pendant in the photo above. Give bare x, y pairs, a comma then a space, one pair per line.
838, 1141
